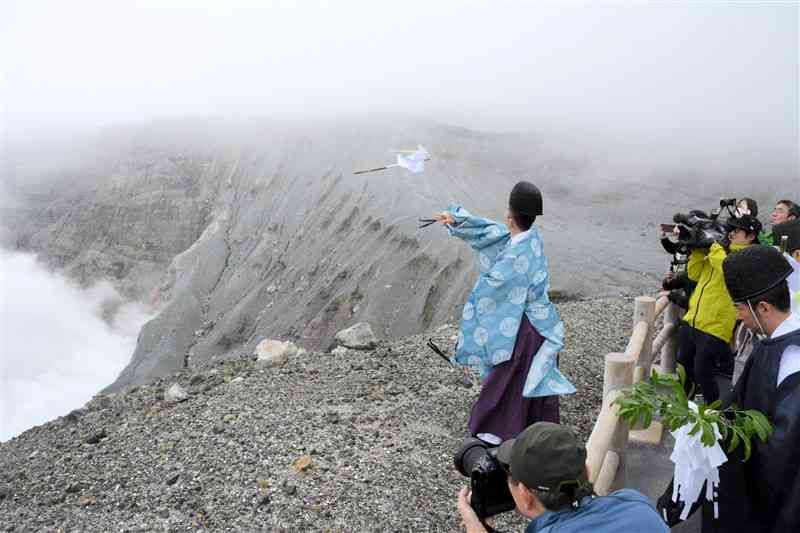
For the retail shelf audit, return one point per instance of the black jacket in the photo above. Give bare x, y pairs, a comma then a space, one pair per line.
763, 494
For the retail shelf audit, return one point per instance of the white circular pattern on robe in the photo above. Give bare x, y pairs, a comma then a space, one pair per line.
522, 264
469, 311
539, 276
541, 312
493, 232
474, 360
556, 386
480, 336
532, 293
518, 295
495, 279
500, 356
486, 306
484, 260
536, 246
509, 327
460, 341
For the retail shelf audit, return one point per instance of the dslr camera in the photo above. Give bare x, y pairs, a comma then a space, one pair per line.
477, 460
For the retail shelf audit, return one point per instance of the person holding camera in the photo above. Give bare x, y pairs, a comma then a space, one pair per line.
711, 317
510, 331
547, 478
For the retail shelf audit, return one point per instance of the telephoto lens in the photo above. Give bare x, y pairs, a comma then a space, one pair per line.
488, 479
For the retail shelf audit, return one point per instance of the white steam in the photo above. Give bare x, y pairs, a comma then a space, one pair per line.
59, 344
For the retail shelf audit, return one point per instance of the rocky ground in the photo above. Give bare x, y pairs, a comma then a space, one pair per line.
356, 441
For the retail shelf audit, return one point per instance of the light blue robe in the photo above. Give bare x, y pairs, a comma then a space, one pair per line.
514, 280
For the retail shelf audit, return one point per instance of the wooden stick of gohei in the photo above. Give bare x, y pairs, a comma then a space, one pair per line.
380, 168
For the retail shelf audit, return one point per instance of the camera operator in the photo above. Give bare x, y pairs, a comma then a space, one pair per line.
711, 317
547, 478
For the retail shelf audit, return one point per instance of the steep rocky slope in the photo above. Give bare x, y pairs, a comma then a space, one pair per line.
359, 441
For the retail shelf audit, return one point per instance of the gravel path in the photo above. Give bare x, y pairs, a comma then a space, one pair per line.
361, 441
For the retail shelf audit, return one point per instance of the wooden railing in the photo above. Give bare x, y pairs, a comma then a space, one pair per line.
605, 448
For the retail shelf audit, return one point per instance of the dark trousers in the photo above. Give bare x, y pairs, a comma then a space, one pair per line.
699, 352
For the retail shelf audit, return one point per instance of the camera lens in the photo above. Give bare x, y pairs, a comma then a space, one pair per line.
468, 455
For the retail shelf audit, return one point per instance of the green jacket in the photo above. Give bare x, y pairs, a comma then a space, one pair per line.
711, 309
767, 239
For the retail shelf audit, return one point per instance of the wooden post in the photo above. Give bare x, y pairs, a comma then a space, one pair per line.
645, 311
669, 351
617, 373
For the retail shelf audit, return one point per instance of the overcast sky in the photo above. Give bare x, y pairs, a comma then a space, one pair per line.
724, 68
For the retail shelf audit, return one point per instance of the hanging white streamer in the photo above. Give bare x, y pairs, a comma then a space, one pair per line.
695, 464
414, 162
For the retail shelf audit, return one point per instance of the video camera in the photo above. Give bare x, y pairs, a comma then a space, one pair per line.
696, 230
477, 460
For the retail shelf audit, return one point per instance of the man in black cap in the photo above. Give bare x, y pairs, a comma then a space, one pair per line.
547, 478
763, 493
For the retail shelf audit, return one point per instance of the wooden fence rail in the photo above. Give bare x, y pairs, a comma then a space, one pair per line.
605, 448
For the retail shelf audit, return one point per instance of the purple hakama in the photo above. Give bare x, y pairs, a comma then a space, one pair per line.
501, 409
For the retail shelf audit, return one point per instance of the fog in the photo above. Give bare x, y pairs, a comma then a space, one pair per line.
707, 75
59, 344
639, 89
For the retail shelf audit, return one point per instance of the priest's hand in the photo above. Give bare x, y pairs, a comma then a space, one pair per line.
444, 218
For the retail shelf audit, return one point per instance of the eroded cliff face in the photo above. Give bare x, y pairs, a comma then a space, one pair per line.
236, 232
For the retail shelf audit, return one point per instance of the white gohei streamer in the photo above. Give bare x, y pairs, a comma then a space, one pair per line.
695, 464
415, 162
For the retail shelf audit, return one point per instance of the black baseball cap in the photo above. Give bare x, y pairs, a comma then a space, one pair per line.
748, 223
545, 457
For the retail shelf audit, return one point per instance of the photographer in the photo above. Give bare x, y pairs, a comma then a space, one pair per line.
510, 331
547, 478
711, 317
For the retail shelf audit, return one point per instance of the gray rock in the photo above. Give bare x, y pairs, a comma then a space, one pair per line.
289, 488
358, 337
176, 394
271, 352
96, 437
340, 351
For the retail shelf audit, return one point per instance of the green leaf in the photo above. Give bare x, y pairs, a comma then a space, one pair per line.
734, 441
746, 442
